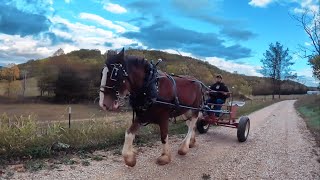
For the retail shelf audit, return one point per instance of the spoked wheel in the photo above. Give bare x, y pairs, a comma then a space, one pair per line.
202, 126
243, 129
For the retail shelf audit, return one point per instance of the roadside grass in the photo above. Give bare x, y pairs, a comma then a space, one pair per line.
45, 112
309, 108
26, 138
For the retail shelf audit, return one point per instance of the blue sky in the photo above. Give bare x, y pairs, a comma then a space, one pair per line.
230, 34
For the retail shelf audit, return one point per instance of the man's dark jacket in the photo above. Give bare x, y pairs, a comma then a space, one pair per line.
219, 86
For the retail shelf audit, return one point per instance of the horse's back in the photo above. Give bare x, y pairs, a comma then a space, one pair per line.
188, 89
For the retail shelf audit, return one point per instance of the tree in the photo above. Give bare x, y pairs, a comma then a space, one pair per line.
315, 63
69, 86
59, 52
10, 74
276, 65
310, 22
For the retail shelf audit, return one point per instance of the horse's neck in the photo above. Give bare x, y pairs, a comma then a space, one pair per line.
137, 76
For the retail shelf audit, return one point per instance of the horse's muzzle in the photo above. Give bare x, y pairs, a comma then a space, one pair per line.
112, 107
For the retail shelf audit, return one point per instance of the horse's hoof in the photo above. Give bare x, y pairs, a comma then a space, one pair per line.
163, 159
130, 160
192, 143
182, 152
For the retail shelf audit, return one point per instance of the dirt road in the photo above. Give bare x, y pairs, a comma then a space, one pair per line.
279, 147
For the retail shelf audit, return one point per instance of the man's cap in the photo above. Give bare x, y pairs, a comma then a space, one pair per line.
218, 76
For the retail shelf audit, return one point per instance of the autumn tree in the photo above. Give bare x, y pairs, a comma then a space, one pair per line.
276, 65
10, 74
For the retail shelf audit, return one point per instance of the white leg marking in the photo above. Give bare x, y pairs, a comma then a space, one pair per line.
191, 126
103, 83
165, 147
127, 147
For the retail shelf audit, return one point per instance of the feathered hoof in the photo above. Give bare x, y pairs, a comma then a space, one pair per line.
130, 159
163, 159
192, 143
183, 150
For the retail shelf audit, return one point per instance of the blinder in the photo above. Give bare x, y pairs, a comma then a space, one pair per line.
118, 75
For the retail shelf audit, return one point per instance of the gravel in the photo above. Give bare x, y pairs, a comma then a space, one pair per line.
279, 146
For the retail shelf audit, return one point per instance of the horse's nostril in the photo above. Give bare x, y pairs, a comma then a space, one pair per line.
104, 105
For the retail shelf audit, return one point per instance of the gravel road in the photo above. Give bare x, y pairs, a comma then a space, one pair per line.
279, 147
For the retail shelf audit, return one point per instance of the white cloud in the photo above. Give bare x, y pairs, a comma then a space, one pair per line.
307, 44
90, 36
67, 1
20, 49
232, 66
305, 77
114, 8
311, 6
81, 36
260, 3
178, 52
102, 21
127, 26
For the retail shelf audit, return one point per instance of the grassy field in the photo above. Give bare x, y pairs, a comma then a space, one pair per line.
53, 112
30, 130
309, 108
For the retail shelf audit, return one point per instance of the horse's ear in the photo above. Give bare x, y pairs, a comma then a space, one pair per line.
121, 55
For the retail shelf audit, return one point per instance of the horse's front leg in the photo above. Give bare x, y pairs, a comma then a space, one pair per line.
128, 152
189, 140
165, 157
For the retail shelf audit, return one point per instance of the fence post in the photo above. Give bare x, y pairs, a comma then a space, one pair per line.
69, 116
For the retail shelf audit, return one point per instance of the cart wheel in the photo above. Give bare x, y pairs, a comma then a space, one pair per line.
243, 129
202, 126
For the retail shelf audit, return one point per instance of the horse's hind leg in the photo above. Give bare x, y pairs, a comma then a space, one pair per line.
189, 140
128, 151
165, 157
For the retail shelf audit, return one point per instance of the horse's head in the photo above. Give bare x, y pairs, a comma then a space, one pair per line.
114, 81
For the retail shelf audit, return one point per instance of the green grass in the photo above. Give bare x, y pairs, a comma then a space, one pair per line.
25, 136
309, 108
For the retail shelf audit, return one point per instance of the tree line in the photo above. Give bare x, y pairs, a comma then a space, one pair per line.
75, 76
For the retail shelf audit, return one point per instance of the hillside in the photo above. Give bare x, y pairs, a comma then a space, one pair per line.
82, 69
246, 85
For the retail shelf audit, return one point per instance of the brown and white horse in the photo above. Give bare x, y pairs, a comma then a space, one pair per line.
129, 75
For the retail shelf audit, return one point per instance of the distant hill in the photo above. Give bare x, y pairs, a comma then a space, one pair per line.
172, 63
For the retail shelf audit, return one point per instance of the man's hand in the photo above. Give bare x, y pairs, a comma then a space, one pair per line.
225, 93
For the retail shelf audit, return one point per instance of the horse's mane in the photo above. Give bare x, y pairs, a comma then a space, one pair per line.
135, 61
130, 60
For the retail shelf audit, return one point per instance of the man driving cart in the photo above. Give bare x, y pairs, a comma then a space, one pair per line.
218, 94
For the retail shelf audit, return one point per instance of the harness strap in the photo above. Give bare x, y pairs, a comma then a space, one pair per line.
176, 99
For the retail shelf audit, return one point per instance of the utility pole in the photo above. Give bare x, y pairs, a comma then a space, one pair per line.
24, 82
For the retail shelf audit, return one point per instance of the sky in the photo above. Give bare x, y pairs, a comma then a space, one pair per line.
230, 34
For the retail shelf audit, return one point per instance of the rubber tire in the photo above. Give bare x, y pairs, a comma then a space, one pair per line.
242, 137
200, 126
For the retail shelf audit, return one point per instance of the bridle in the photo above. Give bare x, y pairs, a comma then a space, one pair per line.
118, 76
